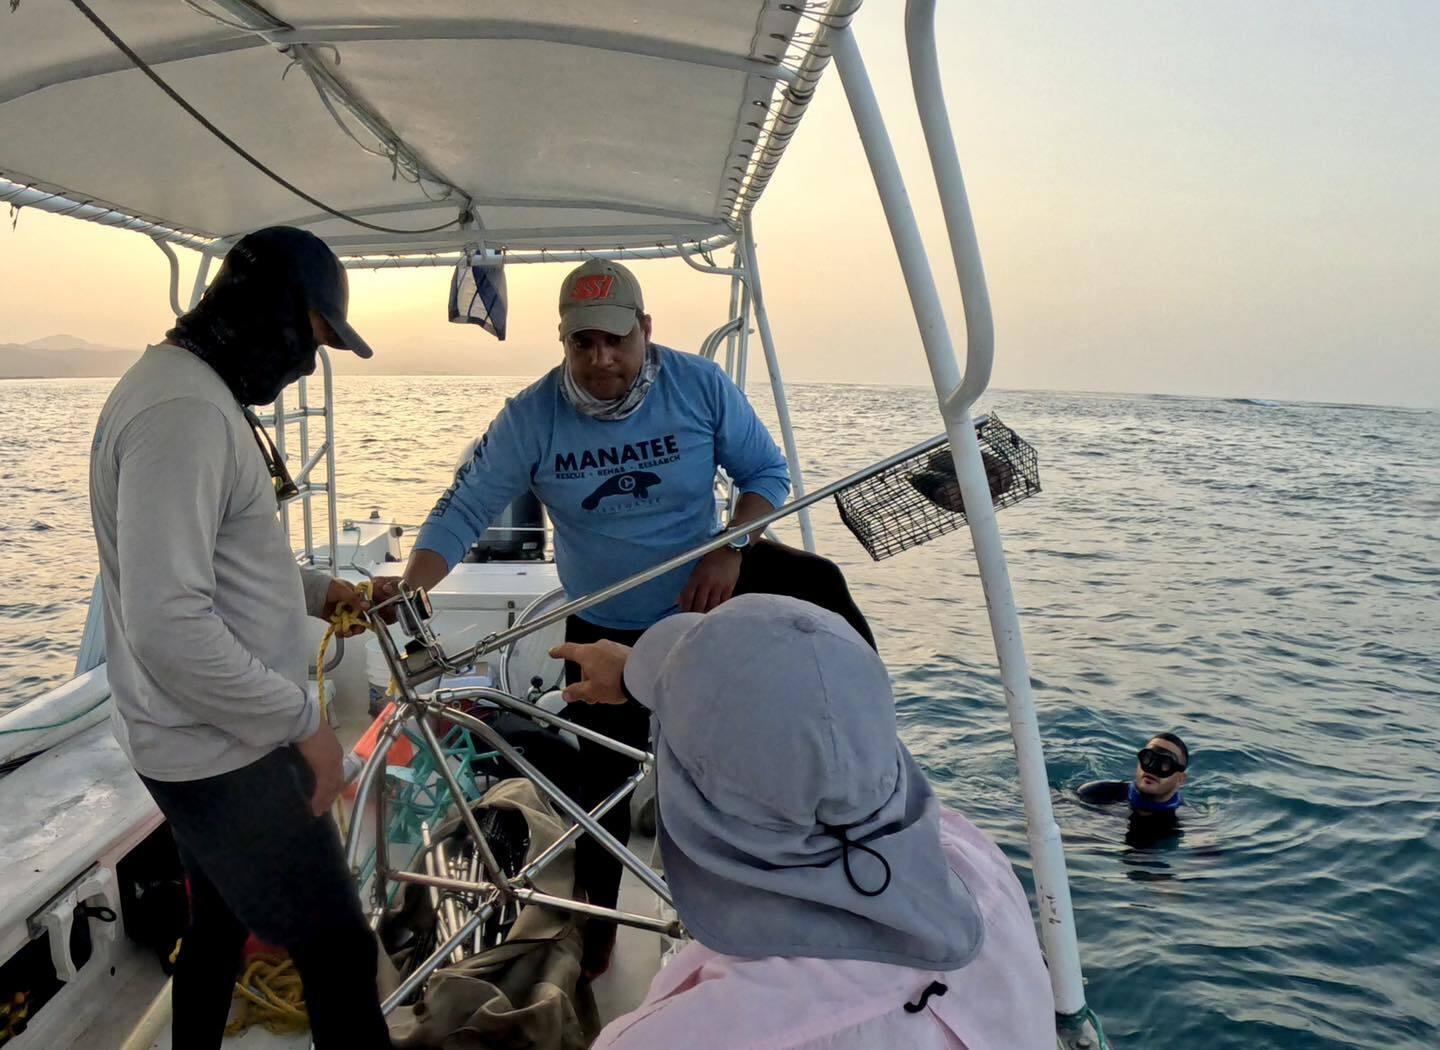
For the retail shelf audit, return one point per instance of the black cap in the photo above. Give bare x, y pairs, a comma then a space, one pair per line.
303, 260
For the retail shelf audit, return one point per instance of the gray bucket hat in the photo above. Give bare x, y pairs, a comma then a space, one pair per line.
792, 820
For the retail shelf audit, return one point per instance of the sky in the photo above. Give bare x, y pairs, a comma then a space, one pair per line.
1215, 199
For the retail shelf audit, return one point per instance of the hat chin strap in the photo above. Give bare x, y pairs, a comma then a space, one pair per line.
840, 831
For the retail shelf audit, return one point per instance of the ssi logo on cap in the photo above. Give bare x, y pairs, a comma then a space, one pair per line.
592, 286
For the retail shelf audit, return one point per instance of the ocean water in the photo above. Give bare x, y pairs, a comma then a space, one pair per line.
1264, 578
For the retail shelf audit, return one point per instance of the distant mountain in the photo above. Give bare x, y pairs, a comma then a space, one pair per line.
62, 357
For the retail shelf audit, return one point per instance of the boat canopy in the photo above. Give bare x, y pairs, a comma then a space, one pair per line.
432, 126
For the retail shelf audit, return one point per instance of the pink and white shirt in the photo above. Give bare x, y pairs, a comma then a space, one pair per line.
1000, 1001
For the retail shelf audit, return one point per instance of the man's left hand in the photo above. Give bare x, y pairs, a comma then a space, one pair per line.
343, 594
712, 582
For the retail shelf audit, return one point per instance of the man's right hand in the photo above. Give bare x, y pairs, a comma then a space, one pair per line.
422, 572
602, 671
323, 752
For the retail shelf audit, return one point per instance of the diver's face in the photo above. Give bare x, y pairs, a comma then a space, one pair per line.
605, 365
1155, 782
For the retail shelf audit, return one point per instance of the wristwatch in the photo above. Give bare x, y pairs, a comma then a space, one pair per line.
739, 543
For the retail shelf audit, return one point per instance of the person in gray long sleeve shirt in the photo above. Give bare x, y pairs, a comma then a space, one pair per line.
205, 639
207, 658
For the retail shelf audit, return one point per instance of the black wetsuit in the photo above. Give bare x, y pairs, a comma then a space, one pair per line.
1147, 827
1104, 792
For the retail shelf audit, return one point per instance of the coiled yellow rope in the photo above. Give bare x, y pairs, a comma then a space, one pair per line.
269, 994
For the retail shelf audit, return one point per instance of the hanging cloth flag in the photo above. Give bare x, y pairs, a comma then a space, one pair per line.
477, 295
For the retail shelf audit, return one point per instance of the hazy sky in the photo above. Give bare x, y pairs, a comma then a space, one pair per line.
1232, 198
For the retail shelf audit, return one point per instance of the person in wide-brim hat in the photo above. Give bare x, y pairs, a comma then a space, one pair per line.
834, 902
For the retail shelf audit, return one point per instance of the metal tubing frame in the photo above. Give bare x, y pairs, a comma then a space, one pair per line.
457, 795
572, 809
437, 959
399, 259
747, 297
416, 710
539, 714
29, 194
572, 833
665, 927
737, 279
174, 262
446, 205
279, 419
332, 510
657, 233
742, 335
307, 518
712, 341
669, 928
277, 410
777, 384
202, 274
954, 202
1057, 923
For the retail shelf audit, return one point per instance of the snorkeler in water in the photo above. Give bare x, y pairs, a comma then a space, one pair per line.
1160, 772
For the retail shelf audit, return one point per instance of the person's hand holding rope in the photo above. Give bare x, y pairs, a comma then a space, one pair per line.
345, 606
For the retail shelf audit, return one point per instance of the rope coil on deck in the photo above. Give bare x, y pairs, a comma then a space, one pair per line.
269, 994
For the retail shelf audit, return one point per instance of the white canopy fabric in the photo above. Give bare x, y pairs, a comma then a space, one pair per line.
563, 124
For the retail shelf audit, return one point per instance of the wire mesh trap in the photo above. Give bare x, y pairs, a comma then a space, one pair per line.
919, 498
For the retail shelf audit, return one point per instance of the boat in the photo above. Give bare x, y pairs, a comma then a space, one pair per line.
440, 134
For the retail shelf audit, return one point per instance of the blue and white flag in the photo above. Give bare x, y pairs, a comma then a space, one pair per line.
477, 296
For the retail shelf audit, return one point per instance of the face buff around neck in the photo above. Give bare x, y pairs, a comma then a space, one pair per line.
587, 404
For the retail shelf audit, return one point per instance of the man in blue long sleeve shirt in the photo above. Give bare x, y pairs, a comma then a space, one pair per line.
623, 494
621, 443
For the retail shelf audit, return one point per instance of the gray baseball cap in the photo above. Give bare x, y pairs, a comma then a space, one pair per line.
792, 820
602, 295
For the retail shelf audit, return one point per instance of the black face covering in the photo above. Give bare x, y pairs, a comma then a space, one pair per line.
253, 327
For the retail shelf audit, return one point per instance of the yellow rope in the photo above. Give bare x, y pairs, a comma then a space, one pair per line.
13, 1017
345, 619
269, 994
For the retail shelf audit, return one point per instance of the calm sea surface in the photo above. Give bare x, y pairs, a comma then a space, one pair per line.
1263, 578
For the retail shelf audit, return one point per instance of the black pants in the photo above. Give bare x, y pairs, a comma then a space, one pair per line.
260, 862
767, 568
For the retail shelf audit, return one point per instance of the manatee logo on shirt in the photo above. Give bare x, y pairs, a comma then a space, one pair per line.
635, 483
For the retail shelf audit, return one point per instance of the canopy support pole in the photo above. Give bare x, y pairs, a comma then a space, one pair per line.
777, 383
202, 273
169, 253
1057, 923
